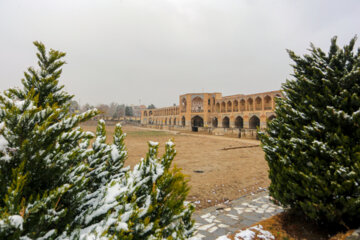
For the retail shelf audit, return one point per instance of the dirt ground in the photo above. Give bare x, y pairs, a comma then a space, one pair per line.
215, 175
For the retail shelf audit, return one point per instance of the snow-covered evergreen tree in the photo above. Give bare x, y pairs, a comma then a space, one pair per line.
53, 185
313, 145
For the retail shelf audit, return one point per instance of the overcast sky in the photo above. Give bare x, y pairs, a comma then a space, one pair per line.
154, 50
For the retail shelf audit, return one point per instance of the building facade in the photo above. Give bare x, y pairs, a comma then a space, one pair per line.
237, 114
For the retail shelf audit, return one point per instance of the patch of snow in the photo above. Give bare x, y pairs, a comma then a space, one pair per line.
223, 238
153, 144
250, 234
48, 235
246, 234
16, 221
19, 104
114, 153
170, 143
3, 143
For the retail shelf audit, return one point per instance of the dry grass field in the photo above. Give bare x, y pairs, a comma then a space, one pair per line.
215, 175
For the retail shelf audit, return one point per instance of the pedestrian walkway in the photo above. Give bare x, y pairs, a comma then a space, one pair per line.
223, 219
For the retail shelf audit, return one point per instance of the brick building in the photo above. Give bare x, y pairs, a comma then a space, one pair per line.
237, 114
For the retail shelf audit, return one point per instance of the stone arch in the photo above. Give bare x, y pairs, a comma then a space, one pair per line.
267, 102
150, 113
197, 121
165, 121
236, 106
183, 123
223, 107
239, 122
254, 122
197, 104
258, 103
226, 122
218, 107
183, 104
169, 121
215, 122
229, 106
145, 113
250, 104
242, 105
174, 122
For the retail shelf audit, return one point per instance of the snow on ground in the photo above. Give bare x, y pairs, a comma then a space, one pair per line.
250, 234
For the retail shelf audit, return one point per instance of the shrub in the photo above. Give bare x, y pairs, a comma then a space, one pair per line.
53, 185
312, 147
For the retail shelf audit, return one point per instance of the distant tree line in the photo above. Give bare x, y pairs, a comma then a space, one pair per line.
113, 110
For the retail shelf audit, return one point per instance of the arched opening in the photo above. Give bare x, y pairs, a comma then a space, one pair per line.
165, 121
226, 122
183, 121
250, 103
196, 122
218, 107
254, 122
145, 113
169, 121
150, 113
174, 122
197, 105
239, 122
267, 102
258, 103
236, 106
223, 107
242, 105
215, 122
229, 106
183, 105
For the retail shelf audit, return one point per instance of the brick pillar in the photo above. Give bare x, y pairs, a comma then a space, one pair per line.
232, 122
246, 121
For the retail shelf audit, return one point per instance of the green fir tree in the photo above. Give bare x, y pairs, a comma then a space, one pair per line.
54, 185
313, 145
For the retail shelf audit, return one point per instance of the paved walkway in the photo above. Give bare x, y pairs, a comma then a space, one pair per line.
222, 219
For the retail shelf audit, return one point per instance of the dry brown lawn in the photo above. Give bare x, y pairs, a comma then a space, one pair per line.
290, 226
226, 174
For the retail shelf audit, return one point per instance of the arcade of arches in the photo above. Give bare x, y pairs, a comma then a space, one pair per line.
212, 110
